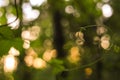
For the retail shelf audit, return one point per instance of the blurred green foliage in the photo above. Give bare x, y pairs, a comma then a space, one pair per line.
103, 63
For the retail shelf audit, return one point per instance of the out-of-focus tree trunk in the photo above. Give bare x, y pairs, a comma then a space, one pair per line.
99, 65
59, 41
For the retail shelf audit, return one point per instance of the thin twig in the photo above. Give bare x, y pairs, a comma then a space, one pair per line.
88, 26
76, 68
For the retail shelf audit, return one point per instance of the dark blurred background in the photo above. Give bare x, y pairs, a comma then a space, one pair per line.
59, 40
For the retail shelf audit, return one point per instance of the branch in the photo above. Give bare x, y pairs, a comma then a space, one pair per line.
16, 17
83, 66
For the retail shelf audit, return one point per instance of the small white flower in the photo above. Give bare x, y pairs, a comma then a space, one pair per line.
26, 44
105, 37
69, 9
101, 30
80, 41
31, 34
105, 41
105, 44
96, 40
79, 34
14, 52
25, 35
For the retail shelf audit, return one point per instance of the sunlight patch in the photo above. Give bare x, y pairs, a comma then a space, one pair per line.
107, 10
37, 2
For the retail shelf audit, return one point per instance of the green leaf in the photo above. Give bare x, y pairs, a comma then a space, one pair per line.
56, 61
68, 45
116, 48
18, 44
57, 66
6, 33
5, 45
3, 19
58, 69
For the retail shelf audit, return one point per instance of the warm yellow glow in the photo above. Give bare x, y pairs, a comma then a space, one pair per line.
37, 2
54, 53
31, 34
88, 71
30, 56
34, 32
105, 44
74, 56
29, 14
29, 60
14, 52
49, 54
74, 51
4, 3
69, 9
39, 63
107, 10
10, 63
11, 18
31, 52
